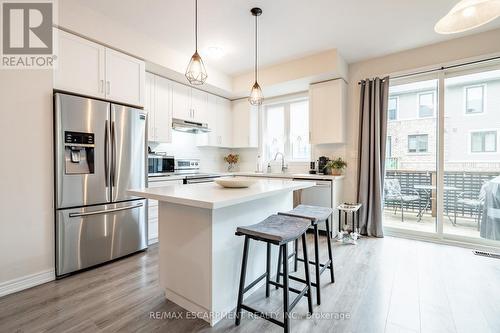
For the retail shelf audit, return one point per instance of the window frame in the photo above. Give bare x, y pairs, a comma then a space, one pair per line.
288, 147
417, 152
483, 99
397, 108
427, 92
483, 140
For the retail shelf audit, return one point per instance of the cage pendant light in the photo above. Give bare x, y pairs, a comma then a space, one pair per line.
256, 97
196, 72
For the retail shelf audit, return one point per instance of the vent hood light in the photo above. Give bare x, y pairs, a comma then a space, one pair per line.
187, 126
467, 15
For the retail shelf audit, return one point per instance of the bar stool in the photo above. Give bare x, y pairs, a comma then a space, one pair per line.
277, 230
315, 215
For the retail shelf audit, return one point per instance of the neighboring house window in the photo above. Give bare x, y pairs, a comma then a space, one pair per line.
286, 130
483, 142
474, 99
426, 104
418, 143
392, 109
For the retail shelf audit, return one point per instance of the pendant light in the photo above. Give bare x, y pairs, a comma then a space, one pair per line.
196, 72
256, 96
467, 15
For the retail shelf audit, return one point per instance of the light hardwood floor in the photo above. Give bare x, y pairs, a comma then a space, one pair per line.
382, 285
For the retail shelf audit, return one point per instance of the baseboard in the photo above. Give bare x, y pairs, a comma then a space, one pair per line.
25, 282
152, 241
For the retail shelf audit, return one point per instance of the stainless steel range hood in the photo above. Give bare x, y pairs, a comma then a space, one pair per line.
189, 126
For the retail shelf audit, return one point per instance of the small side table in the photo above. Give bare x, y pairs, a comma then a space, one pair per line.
346, 208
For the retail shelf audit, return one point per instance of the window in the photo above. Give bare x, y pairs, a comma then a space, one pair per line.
418, 143
286, 130
426, 104
388, 147
483, 142
392, 109
474, 99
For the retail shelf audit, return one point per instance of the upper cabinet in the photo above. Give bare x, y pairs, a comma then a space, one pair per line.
189, 103
327, 112
219, 119
159, 107
87, 68
245, 124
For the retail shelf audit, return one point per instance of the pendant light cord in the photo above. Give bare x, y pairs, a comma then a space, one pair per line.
196, 25
255, 48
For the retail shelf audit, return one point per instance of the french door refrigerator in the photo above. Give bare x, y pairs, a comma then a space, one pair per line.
99, 153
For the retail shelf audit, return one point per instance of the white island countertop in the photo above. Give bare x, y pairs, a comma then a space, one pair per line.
213, 196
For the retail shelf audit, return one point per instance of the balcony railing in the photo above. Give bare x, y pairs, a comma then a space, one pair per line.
467, 184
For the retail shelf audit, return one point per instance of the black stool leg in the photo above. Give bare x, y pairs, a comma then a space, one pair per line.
268, 268
308, 276
316, 260
278, 270
286, 303
242, 281
296, 256
329, 243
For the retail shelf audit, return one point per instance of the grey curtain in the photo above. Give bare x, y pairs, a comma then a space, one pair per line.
371, 165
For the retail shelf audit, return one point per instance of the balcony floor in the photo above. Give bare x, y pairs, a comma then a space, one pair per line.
464, 227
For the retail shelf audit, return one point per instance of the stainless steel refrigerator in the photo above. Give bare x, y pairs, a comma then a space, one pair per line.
99, 153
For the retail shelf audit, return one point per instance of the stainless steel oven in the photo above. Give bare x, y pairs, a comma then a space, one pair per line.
160, 164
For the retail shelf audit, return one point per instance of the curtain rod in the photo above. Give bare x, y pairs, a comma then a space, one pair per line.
442, 68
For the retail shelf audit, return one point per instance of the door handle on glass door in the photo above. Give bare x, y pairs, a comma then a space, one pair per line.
105, 211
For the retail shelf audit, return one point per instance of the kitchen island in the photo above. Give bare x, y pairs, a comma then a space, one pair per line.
199, 254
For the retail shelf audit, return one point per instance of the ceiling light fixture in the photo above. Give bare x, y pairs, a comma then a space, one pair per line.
196, 72
467, 15
256, 96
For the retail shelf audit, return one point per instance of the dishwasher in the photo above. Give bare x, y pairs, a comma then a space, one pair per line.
321, 194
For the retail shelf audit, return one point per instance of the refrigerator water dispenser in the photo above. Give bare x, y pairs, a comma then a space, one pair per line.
79, 152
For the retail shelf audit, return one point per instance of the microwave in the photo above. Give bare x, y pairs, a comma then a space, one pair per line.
159, 165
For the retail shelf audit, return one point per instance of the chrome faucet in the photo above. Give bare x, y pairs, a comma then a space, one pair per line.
284, 167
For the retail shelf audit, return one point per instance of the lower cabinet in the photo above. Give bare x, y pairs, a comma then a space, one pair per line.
153, 206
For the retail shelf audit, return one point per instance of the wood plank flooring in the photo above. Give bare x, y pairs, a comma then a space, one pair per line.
382, 285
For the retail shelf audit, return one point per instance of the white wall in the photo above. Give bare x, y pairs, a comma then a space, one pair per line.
26, 174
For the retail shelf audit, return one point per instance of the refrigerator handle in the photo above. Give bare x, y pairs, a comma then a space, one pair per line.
106, 154
113, 153
105, 211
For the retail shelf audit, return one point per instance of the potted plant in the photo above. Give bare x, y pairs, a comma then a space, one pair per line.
231, 160
336, 166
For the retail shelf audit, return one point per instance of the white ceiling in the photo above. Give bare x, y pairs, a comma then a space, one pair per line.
289, 29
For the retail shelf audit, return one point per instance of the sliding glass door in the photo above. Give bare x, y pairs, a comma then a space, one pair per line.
443, 156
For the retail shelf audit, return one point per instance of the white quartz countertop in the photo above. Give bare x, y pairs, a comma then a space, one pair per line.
213, 196
288, 175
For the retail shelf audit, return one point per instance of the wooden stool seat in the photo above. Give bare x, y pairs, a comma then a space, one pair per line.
313, 213
278, 229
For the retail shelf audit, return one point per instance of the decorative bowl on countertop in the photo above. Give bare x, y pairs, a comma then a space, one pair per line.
232, 182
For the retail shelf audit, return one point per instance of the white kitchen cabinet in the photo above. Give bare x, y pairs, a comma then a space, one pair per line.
327, 112
224, 123
163, 110
124, 78
149, 104
245, 124
80, 66
199, 105
88, 68
153, 206
220, 122
181, 101
159, 108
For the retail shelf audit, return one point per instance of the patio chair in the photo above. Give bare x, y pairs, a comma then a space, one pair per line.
471, 200
394, 193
